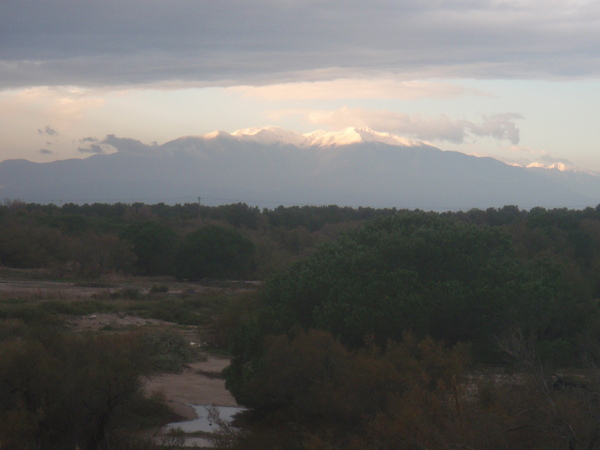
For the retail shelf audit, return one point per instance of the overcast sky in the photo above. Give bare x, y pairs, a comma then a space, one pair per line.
518, 80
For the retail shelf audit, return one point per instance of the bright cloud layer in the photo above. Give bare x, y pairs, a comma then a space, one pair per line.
385, 88
441, 128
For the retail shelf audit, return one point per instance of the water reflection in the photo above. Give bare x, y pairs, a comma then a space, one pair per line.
203, 422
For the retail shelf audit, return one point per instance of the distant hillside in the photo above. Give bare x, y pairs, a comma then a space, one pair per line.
270, 166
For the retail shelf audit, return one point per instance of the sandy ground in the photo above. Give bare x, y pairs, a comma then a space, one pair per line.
198, 384
96, 322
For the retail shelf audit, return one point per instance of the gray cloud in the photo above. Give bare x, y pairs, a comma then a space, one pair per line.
95, 146
45, 151
229, 42
92, 148
112, 143
49, 131
127, 145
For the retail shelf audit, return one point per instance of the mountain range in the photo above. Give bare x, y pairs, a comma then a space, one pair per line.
271, 166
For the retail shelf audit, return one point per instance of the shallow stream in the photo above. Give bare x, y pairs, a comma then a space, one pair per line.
203, 422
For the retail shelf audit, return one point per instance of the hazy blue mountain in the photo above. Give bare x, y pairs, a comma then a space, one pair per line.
584, 183
268, 167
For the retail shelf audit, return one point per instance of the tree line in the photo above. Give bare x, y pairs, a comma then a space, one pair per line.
94, 239
378, 338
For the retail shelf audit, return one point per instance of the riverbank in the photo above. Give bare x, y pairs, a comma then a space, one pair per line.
199, 383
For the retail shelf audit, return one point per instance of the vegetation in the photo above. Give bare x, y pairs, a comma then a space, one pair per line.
153, 245
374, 328
67, 391
421, 273
338, 322
214, 252
64, 388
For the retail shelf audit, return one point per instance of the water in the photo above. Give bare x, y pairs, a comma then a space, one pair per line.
203, 423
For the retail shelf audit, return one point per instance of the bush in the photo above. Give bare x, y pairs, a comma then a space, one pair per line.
153, 244
129, 293
159, 289
214, 252
59, 391
168, 350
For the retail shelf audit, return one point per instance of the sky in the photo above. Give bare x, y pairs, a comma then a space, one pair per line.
518, 80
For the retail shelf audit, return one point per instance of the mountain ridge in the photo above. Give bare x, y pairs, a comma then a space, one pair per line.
319, 138
271, 166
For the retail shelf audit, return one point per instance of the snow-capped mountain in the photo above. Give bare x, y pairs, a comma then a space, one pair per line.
554, 166
352, 135
272, 166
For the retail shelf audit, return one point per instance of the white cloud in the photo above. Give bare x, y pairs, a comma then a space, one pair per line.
26, 113
498, 126
441, 128
62, 106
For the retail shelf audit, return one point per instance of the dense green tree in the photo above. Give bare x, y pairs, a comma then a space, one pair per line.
214, 252
153, 244
418, 272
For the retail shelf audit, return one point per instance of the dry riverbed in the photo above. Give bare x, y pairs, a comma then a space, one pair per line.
199, 383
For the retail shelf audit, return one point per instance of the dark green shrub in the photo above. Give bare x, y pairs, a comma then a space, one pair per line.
420, 273
68, 391
169, 350
153, 244
159, 289
129, 293
214, 252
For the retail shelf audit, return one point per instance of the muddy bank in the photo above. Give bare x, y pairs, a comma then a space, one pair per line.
199, 383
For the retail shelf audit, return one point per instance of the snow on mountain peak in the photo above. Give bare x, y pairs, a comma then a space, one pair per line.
557, 166
269, 135
356, 135
216, 134
351, 135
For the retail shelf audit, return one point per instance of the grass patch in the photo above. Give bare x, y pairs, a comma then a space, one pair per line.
169, 350
159, 289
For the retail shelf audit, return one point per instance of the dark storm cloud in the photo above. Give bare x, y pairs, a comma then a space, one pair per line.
227, 42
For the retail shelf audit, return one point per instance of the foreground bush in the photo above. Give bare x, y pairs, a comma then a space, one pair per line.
335, 397
69, 391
